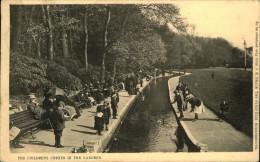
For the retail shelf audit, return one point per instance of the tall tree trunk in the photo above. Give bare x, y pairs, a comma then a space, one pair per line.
114, 70
39, 48
29, 52
64, 43
50, 34
103, 68
86, 39
71, 44
17, 28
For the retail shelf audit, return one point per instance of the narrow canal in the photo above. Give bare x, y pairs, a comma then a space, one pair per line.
150, 125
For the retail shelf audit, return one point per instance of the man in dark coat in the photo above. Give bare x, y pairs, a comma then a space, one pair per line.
114, 104
223, 108
58, 124
178, 99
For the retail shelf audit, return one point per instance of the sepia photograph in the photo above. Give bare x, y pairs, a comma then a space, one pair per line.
129, 80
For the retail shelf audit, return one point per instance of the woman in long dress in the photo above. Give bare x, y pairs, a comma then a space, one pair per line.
199, 108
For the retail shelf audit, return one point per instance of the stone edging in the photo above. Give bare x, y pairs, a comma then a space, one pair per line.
100, 145
200, 147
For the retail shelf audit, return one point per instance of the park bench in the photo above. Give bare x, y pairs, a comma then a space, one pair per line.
26, 122
75, 100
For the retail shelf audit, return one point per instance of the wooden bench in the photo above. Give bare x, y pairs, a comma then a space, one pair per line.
75, 100
26, 122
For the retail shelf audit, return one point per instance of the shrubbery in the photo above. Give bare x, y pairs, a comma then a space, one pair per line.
32, 75
61, 77
27, 75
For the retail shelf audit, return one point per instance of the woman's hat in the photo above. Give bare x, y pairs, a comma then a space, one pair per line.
32, 96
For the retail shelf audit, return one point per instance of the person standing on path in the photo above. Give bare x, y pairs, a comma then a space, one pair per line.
199, 108
58, 124
114, 104
213, 75
223, 109
107, 114
99, 119
178, 99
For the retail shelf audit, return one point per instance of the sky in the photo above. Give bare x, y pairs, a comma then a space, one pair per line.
233, 20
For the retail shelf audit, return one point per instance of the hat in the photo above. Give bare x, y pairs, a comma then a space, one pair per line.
32, 96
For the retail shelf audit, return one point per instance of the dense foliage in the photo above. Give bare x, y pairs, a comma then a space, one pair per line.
29, 75
185, 50
101, 40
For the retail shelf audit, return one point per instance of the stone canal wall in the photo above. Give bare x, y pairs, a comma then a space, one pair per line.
99, 146
193, 144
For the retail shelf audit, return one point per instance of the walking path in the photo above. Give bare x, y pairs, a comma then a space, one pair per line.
218, 136
78, 130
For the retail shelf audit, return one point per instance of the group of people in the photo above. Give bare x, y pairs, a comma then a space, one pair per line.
103, 113
183, 96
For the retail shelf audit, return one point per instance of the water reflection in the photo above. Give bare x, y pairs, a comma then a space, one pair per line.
150, 125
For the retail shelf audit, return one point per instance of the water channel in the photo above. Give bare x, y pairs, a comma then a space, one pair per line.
150, 125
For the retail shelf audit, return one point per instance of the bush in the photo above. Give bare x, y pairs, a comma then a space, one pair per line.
27, 75
93, 73
61, 77
71, 65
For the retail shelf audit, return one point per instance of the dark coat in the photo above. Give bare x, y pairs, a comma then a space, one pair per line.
223, 106
107, 114
99, 121
114, 101
47, 104
178, 99
37, 111
192, 102
100, 108
57, 119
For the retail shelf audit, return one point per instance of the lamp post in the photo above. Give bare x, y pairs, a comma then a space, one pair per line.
245, 53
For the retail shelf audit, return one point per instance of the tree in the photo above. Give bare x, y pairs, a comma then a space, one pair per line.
47, 18
103, 68
86, 37
16, 28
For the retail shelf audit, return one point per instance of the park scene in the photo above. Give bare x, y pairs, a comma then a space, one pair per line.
129, 78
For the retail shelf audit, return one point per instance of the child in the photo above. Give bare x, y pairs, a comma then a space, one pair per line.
107, 114
99, 119
58, 124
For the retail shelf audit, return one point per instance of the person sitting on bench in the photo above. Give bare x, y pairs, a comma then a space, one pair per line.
34, 107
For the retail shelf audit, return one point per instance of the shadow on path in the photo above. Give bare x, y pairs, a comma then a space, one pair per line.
41, 143
84, 126
85, 132
209, 119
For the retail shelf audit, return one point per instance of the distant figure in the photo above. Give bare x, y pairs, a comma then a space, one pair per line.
141, 82
213, 75
223, 109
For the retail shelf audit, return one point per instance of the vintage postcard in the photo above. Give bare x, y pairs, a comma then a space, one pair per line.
129, 80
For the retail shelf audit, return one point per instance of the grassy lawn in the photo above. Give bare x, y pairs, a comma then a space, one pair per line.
233, 85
